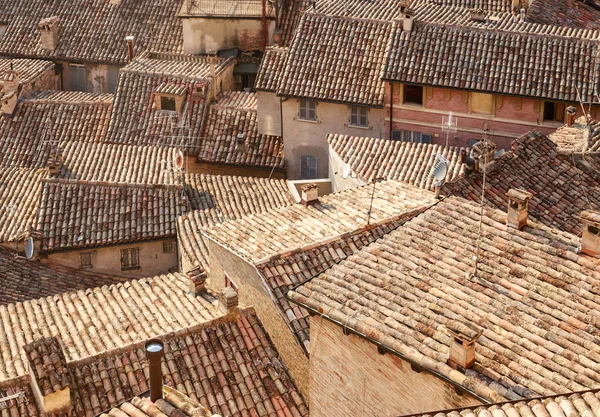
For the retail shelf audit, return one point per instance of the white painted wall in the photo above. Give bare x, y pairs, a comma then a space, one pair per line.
268, 113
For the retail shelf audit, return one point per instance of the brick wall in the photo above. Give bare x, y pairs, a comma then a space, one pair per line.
252, 292
348, 377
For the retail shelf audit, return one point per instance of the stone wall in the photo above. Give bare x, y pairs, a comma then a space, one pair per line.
349, 377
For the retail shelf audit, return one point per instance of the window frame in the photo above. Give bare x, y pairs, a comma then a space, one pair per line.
556, 105
113, 79
405, 92
411, 136
307, 106
167, 99
231, 283
132, 256
77, 70
168, 246
88, 257
358, 113
307, 166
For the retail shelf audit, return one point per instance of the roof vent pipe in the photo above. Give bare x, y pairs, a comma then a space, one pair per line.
571, 111
522, 16
130, 51
154, 353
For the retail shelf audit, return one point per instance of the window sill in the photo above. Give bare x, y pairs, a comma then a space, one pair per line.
131, 268
552, 123
360, 127
411, 105
307, 120
86, 266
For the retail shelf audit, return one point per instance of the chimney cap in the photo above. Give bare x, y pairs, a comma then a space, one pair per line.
519, 195
48, 22
309, 186
129, 38
571, 110
464, 332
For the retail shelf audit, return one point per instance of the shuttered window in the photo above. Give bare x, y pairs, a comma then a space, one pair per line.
77, 78
113, 79
130, 259
308, 167
308, 110
359, 116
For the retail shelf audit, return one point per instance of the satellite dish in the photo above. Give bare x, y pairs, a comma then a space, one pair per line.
440, 169
179, 160
29, 249
346, 171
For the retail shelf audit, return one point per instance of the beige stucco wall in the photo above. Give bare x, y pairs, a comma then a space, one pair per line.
336, 174
302, 137
348, 377
268, 113
252, 292
201, 35
107, 260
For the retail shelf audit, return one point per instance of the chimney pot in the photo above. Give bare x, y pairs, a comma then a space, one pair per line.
55, 162
590, 239
228, 300
462, 344
310, 194
518, 208
571, 111
154, 353
130, 47
197, 278
49, 31
478, 15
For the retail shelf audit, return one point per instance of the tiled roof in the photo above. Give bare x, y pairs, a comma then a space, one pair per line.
217, 198
225, 367
271, 69
337, 59
92, 30
283, 273
581, 136
231, 135
413, 163
28, 69
261, 236
532, 296
561, 185
290, 17
586, 403
109, 162
134, 119
48, 364
20, 190
51, 116
226, 8
446, 49
24, 280
78, 214
572, 13
95, 321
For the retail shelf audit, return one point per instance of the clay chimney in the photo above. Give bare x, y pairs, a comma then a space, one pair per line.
483, 154
518, 207
310, 194
277, 37
197, 277
590, 240
9, 103
50, 379
154, 353
228, 300
478, 15
462, 344
55, 162
571, 115
11, 82
49, 32
130, 47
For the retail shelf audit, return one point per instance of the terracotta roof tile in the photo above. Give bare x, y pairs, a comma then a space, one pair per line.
572, 13
271, 69
92, 31
231, 135
260, 236
562, 185
290, 17
77, 214
20, 190
531, 296
581, 136
226, 8
24, 280
413, 163
28, 69
337, 59
216, 198
96, 321
48, 364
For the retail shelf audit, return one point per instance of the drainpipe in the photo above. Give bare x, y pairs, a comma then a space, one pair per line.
265, 27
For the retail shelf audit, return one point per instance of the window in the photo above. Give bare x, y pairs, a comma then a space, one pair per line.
359, 116
230, 283
113, 79
308, 167
413, 94
167, 103
481, 103
554, 112
593, 230
77, 78
409, 136
85, 259
308, 110
130, 259
168, 246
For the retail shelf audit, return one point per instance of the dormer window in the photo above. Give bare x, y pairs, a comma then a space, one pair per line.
593, 230
167, 103
169, 97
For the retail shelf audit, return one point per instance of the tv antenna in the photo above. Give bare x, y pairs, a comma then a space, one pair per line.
375, 181
439, 172
29, 249
449, 124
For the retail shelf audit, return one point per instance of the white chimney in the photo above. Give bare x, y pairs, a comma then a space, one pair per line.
518, 208
49, 32
590, 240
462, 344
50, 379
310, 194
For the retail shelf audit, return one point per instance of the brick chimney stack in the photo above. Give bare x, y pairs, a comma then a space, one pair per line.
462, 344
518, 208
11, 82
9, 103
571, 111
590, 240
197, 277
228, 300
49, 32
